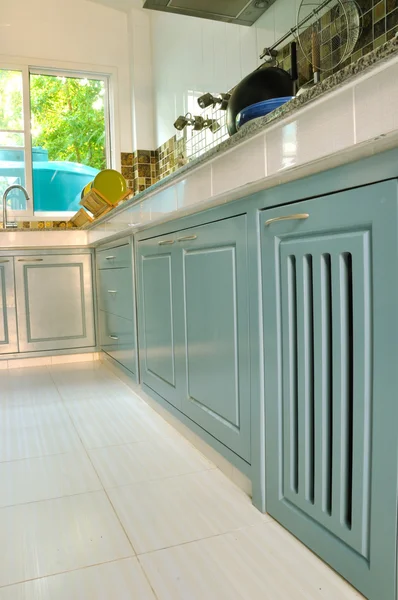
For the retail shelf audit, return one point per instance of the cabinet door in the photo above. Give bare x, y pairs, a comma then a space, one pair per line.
216, 331
8, 327
158, 315
54, 302
330, 331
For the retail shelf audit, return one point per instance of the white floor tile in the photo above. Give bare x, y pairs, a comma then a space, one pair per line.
115, 418
37, 440
120, 580
46, 477
146, 461
29, 386
167, 512
255, 563
54, 536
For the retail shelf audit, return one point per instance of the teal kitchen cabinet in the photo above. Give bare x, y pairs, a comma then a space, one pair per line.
212, 264
330, 302
54, 302
194, 326
117, 338
160, 309
8, 325
116, 303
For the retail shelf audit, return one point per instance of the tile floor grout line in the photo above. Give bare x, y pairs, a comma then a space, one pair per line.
207, 537
8, 585
54, 498
96, 472
13, 460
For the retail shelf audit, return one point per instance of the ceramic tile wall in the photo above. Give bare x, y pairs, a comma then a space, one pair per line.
273, 157
379, 23
212, 57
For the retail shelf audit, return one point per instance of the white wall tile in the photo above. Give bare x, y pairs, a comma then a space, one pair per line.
240, 166
195, 188
161, 203
206, 56
376, 104
265, 31
322, 129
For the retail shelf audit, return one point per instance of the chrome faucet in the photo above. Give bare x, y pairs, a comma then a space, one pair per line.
6, 225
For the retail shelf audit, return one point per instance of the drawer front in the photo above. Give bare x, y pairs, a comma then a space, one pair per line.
117, 339
116, 292
114, 258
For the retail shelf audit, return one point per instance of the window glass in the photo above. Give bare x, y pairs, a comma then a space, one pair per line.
69, 142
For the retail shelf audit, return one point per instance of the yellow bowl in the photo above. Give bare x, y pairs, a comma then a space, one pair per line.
111, 184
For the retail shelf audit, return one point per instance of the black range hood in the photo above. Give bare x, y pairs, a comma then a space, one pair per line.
240, 12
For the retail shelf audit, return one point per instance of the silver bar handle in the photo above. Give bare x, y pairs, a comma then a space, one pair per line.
4, 261
187, 238
166, 242
109, 257
287, 218
30, 259
112, 291
113, 337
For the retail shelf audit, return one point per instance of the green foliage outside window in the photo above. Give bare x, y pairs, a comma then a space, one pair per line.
68, 119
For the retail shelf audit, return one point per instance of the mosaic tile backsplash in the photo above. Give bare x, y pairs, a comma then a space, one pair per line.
379, 24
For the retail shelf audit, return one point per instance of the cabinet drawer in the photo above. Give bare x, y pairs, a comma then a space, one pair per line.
117, 339
116, 292
114, 258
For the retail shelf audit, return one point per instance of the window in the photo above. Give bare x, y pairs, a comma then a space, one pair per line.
54, 137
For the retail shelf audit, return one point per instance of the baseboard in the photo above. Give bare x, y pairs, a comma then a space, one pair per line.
47, 360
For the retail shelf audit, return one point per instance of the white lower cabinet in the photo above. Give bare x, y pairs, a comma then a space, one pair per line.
54, 302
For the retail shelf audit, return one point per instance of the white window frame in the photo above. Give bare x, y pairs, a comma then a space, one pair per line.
112, 133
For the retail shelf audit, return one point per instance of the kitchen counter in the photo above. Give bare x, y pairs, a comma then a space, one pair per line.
45, 238
327, 126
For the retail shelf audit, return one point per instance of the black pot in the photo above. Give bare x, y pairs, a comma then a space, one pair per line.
263, 84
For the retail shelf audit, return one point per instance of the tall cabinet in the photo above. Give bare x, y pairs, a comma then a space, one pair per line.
331, 344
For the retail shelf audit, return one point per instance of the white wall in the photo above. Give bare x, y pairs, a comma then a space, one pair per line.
140, 46
71, 31
203, 55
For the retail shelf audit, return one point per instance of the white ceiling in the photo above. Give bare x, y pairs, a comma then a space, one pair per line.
123, 5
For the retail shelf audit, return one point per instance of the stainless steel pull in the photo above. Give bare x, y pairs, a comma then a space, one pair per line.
287, 218
112, 291
4, 261
166, 242
109, 257
187, 238
30, 259
113, 337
